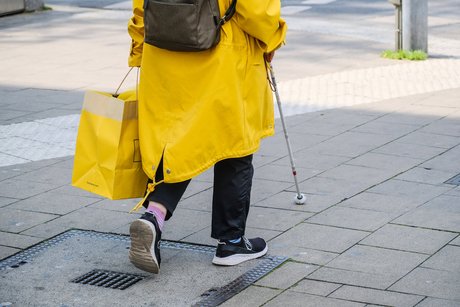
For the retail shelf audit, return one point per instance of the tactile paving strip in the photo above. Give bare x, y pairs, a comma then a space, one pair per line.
212, 297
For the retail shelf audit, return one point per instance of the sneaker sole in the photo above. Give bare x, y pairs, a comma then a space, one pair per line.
142, 253
238, 258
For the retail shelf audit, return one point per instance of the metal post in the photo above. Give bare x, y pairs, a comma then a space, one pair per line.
398, 24
415, 25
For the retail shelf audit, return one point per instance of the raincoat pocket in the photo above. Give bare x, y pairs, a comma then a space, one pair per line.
107, 156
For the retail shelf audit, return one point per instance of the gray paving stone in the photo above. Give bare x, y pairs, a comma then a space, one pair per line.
454, 192
296, 120
314, 287
24, 189
85, 218
379, 261
456, 241
276, 146
184, 223
429, 139
389, 129
286, 275
196, 187
319, 237
7, 251
442, 213
410, 239
66, 163
410, 150
352, 218
54, 203
297, 299
275, 219
32, 166
252, 296
321, 127
54, 112
5, 201
358, 173
448, 161
318, 202
310, 159
362, 279
122, 205
17, 220
201, 201
418, 192
285, 200
300, 141
415, 115
447, 259
352, 144
426, 175
207, 176
390, 163
9, 172
330, 186
387, 298
11, 114
17, 241
436, 302
263, 189
446, 126
261, 160
346, 117
283, 173
50, 174
381, 202
429, 282
302, 254
32, 105
70, 190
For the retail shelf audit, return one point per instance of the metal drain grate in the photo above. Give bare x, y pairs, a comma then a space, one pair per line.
454, 180
108, 279
216, 296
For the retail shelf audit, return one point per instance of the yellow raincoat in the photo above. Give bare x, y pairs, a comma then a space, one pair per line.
197, 108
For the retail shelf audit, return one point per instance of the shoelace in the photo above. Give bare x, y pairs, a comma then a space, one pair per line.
247, 243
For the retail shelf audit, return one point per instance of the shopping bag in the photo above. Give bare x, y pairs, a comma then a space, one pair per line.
107, 155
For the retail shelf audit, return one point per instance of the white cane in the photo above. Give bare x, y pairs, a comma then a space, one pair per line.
299, 198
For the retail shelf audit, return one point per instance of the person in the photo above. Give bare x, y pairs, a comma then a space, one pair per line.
204, 109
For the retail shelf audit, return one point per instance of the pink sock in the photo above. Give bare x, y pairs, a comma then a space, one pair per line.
160, 216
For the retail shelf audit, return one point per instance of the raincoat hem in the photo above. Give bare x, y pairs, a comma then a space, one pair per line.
208, 164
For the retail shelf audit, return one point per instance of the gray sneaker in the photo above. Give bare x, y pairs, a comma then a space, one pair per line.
145, 243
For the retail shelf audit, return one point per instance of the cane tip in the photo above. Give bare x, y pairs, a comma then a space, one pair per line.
300, 199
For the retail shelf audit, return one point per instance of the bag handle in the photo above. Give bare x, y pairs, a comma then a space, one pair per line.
123, 81
228, 14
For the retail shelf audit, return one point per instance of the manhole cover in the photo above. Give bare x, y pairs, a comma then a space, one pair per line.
65, 270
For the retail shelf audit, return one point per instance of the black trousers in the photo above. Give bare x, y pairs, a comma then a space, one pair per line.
230, 201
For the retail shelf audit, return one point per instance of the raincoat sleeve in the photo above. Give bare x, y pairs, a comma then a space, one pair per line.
136, 31
262, 19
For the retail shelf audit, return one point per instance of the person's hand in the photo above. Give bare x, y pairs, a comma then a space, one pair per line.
269, 56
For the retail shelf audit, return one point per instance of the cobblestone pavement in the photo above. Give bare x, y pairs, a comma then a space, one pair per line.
375, 142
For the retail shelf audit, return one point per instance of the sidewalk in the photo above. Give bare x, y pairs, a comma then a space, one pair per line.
375, 142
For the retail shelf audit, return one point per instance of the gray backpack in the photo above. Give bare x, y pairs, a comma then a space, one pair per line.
184, 25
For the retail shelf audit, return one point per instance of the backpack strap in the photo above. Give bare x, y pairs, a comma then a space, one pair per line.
228, 14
